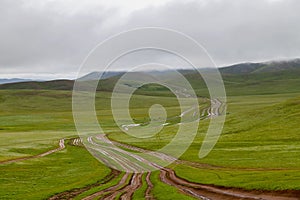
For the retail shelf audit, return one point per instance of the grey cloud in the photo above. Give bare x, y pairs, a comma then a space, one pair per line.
232, 31
51, 39
46, 40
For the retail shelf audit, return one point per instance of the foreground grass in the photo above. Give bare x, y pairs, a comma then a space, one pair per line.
43, 177
164, 191
261, 131
23, 144
258, 135
250, 180
99, 188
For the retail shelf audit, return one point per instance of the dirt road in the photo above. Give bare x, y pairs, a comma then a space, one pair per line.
168, 176
61, 146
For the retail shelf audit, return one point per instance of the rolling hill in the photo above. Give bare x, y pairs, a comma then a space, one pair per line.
245, 78
96, 75
46, 85
255, 68
13, 80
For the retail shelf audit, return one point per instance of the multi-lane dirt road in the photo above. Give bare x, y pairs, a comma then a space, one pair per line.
168, 176
127, 160
131, 182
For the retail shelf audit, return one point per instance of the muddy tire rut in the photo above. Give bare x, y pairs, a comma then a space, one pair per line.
61, 147
148, 194
206, 192
130, 183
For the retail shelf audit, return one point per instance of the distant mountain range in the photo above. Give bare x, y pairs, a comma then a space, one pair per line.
259, 78
13, 80
37, 85
96, 75
271, 66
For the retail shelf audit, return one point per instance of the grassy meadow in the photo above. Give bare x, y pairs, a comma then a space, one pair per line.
258, 149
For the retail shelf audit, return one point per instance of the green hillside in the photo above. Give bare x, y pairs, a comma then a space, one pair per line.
240, 79
37, 85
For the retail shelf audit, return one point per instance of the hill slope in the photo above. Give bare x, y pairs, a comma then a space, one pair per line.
271, 66
246, 78
47, 85
12, 80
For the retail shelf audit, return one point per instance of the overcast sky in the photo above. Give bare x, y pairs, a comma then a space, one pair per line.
51, 38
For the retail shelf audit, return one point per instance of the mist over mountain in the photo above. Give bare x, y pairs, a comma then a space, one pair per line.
13, 80
270, 66
99, 75
248, 78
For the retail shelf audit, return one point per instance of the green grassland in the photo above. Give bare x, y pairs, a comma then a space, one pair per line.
258, 149
261, 132
42, 177
256, 128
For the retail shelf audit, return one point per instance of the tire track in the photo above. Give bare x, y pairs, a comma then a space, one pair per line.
128, 190
135, 184
77, 191
148, 195
168, 176
187, 191
121, 184
61, 146
191, 163
206, 192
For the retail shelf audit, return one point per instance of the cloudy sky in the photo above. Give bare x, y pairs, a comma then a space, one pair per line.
51, 38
